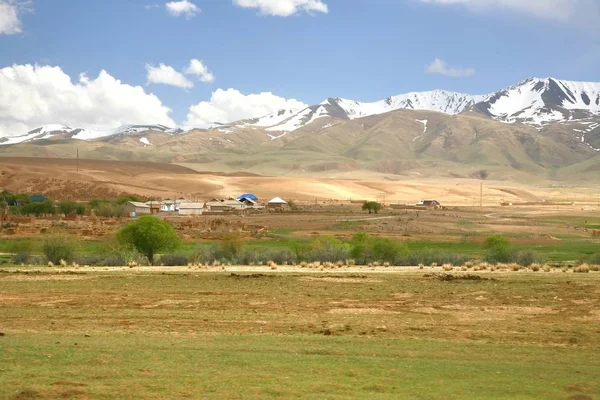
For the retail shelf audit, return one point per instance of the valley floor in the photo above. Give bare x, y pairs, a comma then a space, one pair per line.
145, 333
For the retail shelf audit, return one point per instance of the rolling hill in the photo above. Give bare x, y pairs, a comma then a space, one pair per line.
539, 128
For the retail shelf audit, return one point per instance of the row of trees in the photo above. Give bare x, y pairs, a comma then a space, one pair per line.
22, 204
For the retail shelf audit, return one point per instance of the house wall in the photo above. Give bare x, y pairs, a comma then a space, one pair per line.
190, 211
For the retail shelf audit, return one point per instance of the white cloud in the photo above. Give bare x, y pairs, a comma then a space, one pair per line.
284, 8
33, 96
198, 68
231, 105
441, 67
10, 10
167, 75
548, 9
184, 7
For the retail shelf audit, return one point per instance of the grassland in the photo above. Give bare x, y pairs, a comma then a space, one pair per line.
190, 334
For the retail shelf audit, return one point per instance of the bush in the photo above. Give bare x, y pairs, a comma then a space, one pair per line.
39, 209
328, 248
254, 255
496, 241
498, 250
67, 207
593, 259
527, 258
108, 210
22, 250
231, 246
500, 255
59, 247
149, 236
431, 256
366, 248
174, 259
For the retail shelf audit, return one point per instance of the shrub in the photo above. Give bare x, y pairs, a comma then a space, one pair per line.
329, 248
496, 241
38, 209
174, 259
366, 248
526, 258
231, 246
67, 207
149, 235
59, 247
22, 250
108, 210
254, 255
433, 257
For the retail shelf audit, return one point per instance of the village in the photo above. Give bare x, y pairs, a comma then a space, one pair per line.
242, 205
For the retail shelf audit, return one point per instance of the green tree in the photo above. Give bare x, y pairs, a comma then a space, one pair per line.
498, 249
67, 207
149, 235
39, 209
372, 207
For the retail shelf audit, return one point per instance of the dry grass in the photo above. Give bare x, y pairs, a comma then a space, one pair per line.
582, 269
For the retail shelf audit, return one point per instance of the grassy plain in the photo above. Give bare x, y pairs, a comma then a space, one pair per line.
184, 333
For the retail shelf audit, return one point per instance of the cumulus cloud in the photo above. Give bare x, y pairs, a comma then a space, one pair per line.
440, 67
10, 11
184, 7
198, 68
284, 8
231, 105
548, 9
167, 75
33, 96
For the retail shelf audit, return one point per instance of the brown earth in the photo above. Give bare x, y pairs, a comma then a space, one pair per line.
62, 179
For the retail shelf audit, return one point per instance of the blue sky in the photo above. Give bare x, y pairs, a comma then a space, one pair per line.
358, 49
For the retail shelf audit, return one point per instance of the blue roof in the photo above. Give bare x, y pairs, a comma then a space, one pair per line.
248, 196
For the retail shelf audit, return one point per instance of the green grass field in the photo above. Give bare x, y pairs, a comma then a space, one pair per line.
192, 334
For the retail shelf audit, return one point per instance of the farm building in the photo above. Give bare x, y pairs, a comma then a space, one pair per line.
277, 204
429, 204
134, 209
191, 208
172, 205
235, 204
248, 196
217, 206
248, 202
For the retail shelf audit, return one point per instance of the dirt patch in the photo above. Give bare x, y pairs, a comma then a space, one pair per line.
30, 277
449, 277
251, 276
360, 311
339, 279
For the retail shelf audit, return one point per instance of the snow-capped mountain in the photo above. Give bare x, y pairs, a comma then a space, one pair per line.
543, 101
63, 131
536, 102
437, 100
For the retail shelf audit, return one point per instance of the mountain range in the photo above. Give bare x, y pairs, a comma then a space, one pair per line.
539, 126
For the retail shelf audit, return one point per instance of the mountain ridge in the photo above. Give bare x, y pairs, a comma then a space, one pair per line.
537, 102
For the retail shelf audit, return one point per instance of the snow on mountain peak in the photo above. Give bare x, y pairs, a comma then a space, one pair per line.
540, 101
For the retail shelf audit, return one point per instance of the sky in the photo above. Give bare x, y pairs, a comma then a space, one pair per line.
98, 64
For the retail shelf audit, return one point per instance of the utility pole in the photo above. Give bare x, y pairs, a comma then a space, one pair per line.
78, 160
481, 196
